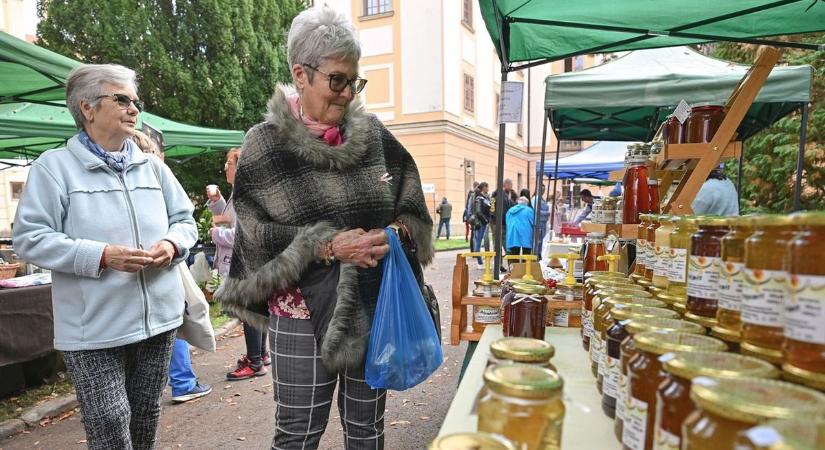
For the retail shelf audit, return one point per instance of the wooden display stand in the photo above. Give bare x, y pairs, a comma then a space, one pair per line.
624, 231
699, 159
463, 303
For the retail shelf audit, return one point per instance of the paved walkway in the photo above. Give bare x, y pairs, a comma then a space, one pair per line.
241, 414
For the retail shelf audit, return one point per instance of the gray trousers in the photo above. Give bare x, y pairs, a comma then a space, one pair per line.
303, 390
119, 391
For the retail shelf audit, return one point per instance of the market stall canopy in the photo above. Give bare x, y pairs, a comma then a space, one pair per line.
550, 30
29, 73
595, 161
28, 129
627, 98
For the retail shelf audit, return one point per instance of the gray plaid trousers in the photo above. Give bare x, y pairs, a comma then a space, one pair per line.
119, 391
303, 390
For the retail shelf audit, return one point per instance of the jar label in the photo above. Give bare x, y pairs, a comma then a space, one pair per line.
662, 263
587, 323
610, 383
635, 424
621, 399
677, 272
703, 277
561, 318
595, 348
650, 255
762, 297
805, 309
602, 359
641, 252
664, 440
731, 284
487, 314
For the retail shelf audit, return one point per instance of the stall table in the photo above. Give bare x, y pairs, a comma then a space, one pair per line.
585, 426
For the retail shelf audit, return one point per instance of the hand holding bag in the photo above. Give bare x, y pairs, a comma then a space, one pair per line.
196, 328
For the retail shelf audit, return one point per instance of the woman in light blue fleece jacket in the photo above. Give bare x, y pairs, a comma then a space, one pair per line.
110, 222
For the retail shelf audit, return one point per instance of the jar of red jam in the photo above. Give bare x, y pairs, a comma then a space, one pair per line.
703, 270
703, 122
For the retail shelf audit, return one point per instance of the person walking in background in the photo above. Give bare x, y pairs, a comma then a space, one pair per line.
538, 202
254, 362
182, 378
445, 212
509, 200
717, 196
520, 220
111, 223
481, 217
468, 211
524, 193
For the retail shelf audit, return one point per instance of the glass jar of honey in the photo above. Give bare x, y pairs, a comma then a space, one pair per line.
765, 286
524, 404
522, 350
804, 315
593, 248
628, 350
650, 256
644, 376
683, 229
587, 301
703, 269
622, 315
674, 131
703, 122
471, 441
728, 406
641, 245
673, 403
524, 312
600, 316
799, 434
732, 281
661, 251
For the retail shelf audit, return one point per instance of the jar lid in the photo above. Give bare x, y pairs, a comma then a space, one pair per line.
627, 286
771, 220
527, 282
719, 365
712, 221
523, 381
754, 400
645, 216
624, 311
740, 221
643, 324
708, 322
816, 218
529, 289
661, 342
794, 434
670, 299
603, 274
679, 308
645, 283
622, 291
596, 235
706, 106
471, 441
664, 218
522, 349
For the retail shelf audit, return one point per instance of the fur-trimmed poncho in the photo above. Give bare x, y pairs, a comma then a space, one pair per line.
293, 192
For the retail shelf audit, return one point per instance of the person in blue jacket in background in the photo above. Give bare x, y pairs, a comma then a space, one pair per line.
520, 220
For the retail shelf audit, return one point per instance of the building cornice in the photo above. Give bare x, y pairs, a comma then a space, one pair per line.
463, 132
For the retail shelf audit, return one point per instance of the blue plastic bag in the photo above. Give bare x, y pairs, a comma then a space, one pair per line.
404, 348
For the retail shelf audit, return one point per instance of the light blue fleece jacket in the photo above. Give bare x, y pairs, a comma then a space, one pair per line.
72, 206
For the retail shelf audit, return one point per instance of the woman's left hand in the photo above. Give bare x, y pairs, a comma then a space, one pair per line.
161, 253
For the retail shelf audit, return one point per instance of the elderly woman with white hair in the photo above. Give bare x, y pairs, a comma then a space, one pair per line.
318, 182
110, 222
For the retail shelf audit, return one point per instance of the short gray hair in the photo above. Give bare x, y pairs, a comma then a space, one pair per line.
319, 34
86, 83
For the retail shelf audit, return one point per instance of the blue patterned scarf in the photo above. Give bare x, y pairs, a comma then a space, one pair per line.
117, 161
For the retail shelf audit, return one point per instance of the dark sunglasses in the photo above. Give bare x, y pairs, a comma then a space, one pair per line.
339, 82
124, 101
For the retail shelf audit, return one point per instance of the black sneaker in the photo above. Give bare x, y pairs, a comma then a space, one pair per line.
198, 391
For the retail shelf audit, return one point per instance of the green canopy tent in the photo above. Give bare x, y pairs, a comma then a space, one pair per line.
34, 118
534, 32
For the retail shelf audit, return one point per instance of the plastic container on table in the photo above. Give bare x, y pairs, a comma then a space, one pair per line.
731, 282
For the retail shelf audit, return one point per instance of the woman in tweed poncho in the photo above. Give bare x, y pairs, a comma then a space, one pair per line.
317, 182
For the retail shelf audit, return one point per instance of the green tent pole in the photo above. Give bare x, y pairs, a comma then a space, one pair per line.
502, 132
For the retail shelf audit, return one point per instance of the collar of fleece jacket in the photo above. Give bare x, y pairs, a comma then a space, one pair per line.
293, 192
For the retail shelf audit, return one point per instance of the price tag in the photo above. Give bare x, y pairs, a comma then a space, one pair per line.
682, 111
509, 107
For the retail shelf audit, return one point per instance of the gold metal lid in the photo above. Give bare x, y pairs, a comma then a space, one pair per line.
712, 221
718, 365
603, 274
808, 218
471, 441
679, 308
645, 216
515, 281
794, 434
754, 400
661, 342
523, 381
768, 354
522, 349
670, 299
726, 334
615, 282
771, 220
624, 311
643, 324
618, 291
740, 221
645, 283
530, 289
708, 322
802, 376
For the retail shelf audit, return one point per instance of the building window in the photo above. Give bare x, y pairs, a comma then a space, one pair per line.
373, 7
16, 190
469, 94
578, 63
520, 181
568, 65
520, 130
467, 14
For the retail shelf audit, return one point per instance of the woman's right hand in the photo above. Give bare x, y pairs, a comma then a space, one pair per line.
359, 247
213, 193
125, 259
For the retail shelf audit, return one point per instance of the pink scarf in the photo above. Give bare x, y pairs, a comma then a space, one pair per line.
329, 133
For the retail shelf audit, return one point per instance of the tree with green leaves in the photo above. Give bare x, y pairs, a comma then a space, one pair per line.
771, 155
211, 63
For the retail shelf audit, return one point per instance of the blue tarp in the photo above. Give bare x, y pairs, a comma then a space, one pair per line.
595, 161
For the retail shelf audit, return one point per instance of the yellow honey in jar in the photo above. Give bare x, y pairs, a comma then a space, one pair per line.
524, 404
641, 246
732, 281
799, 434
661, 252
765, 286
683, 229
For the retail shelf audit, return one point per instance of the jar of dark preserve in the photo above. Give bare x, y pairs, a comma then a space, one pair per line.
703, 122
674, 132
703, 268
525, 312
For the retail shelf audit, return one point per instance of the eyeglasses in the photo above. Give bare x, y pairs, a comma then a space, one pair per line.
339, 82
124, 100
